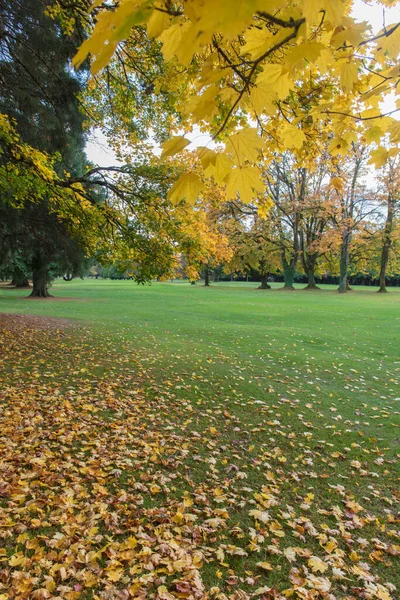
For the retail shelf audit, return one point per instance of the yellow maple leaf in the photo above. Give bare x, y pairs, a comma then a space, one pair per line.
257, 42
337, 183
271, 73
17, 560
263, 98
223, 166
188, 187
265, 565
207, 157
390, 44
373, 134
115, 574
378, 157
311, 11
176, 41
163, 593
335, 12
290, 554
394, 130
174, 145
203, 106
352, 35
348, 75
317, 564
330, 546
309, 52
244, 181
292, 136
244, 145
157, 22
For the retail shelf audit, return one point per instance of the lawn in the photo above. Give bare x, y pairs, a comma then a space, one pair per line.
185, 442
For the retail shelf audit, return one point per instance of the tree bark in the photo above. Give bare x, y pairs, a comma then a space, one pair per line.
289, 271
348, 207
40, 279
344, 265
192, 283
19, 279
311, 283
288, 275
264, 282
207, 277
387, 242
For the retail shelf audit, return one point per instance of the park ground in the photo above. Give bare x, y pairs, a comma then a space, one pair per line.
174, 441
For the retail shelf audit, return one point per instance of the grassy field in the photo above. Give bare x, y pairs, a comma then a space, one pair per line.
212, 443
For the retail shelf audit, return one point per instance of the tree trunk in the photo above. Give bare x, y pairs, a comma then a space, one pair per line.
382, 272
40, 280
344, 265
264, 282
387, 242
23, 284
19, 279
206, 277
311, 284
289, 271
192, 283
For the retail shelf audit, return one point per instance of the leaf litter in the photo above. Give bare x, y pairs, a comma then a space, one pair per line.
116, 482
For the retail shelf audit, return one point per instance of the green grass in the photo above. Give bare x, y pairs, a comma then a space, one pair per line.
303, 383
249, 337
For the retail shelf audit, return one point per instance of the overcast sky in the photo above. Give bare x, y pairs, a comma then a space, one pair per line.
99, 152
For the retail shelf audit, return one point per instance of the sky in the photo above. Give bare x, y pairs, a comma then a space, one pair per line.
100, 153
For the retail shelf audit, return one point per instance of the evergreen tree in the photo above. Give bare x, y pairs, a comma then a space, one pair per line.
40, 91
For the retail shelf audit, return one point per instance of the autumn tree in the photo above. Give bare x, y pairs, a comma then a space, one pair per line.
251, 239
315, 210
261, 80
205, 245
352, 204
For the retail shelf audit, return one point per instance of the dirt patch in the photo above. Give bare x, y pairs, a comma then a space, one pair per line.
16, 322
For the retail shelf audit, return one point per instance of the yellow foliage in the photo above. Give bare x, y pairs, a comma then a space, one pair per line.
174, 145
245, 181
304, 68
187, 187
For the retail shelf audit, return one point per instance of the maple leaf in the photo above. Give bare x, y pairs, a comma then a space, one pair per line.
187, 187
311, 11
265, 565
348, 75
290, 554
221, 169
244, 145
114, 574
263, 98
379, 157
174, 145
317, 564
292, 136
246, 182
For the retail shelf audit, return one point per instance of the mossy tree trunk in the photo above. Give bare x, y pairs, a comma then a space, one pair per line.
387, 242
344, 264
264, 282
19, 279
40, 278
311, 283
207, 277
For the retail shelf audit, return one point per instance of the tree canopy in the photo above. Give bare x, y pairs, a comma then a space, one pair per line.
261, 78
